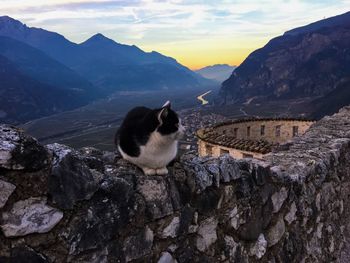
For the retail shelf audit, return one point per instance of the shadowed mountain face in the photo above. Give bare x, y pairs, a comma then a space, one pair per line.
310, 61
33, 85
40, 66
218, 72
332, 101
23, 98
108, 65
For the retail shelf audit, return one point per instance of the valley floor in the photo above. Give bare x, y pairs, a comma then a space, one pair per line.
95, 125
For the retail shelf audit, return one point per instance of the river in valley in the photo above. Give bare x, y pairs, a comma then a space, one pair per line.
201, 98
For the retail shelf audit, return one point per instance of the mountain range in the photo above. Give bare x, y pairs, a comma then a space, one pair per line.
35, 85
217, 72
80, 73
312, 61
23, 98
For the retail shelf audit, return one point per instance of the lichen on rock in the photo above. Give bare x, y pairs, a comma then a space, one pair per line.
29, 216
19, 151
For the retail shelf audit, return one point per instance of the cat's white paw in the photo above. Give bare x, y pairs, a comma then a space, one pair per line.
149, 171
162, 171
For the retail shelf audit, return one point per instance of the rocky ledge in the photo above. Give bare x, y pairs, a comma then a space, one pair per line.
58, 204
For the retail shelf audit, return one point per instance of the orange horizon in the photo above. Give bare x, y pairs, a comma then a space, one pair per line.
208, 56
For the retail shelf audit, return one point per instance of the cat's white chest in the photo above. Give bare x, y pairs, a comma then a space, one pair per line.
157, 153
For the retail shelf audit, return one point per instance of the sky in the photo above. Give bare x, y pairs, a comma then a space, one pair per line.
196, 33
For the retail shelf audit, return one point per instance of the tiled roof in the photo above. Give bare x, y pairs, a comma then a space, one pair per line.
211, 136
261, 119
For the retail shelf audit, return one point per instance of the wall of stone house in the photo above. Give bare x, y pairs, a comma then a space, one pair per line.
217, 150
62, 205
286, 130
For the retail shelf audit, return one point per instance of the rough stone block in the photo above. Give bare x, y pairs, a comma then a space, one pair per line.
229, 169
258, 249
154, 190
106, 215
71, 179
231, 247
25, 254
278, 199
166, 257
19, 151
171, 230
30, 216
275, 232
6, 191
138, 245
291, 215
206, 234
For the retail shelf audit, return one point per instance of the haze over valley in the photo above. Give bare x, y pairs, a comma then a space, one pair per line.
218, 72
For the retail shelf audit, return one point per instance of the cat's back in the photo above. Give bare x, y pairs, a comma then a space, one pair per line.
135, 116
131, 131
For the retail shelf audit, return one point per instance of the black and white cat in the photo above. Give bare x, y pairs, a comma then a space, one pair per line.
149, 138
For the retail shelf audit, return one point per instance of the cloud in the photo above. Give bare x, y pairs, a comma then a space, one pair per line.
174, 23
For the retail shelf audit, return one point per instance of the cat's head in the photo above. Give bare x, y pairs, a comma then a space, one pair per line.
169, 122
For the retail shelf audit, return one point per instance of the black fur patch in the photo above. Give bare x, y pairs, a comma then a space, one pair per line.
170, 123
138, 125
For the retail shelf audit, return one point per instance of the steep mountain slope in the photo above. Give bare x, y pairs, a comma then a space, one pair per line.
50, 42
332, 101
23, 98
107, 64
334, 21
218, 72
310, 61
43, 68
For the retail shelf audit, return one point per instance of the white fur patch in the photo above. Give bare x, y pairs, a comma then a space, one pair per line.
157, 153
166, 104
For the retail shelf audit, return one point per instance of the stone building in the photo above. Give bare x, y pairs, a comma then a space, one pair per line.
249, 138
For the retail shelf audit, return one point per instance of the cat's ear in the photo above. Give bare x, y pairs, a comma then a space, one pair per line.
162, 114
167, 104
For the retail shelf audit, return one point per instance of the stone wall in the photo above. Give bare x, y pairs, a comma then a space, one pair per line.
62, 205
210, 149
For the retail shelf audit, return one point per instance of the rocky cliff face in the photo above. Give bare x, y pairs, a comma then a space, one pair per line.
307, 62
58, 204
